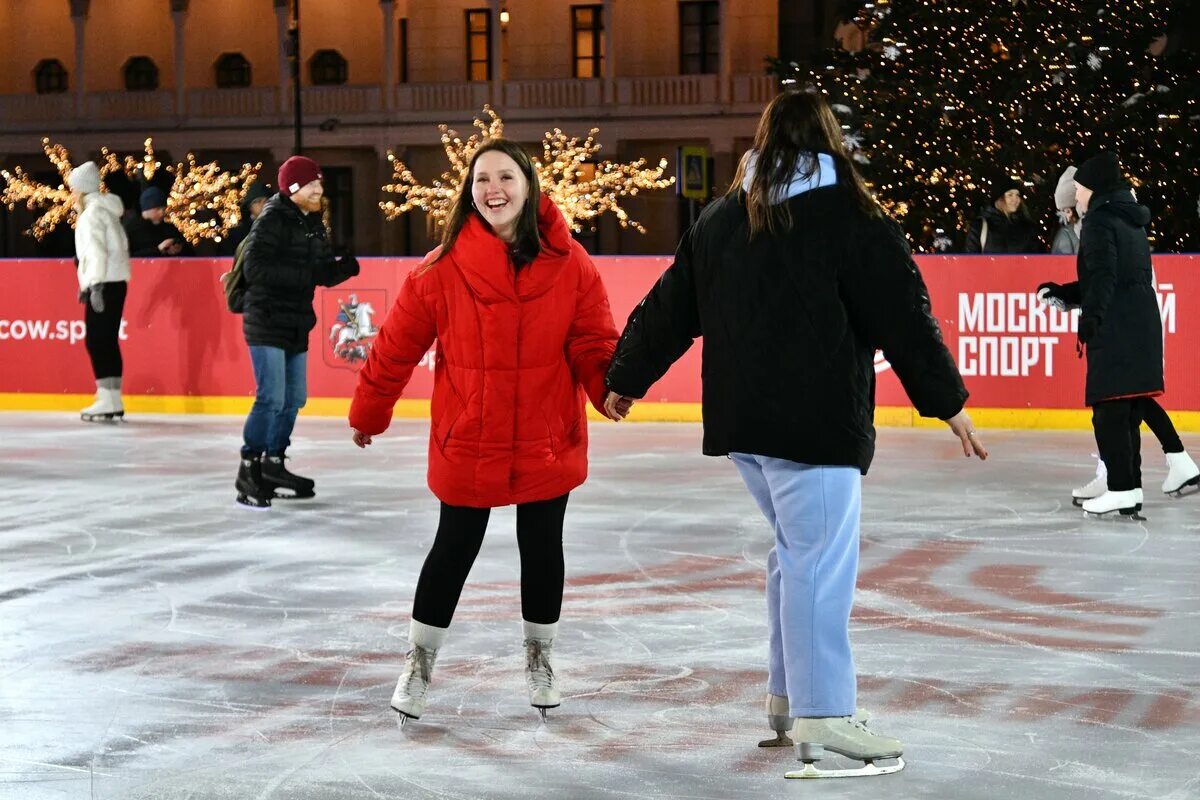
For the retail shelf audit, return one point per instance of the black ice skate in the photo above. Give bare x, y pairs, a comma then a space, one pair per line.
275, 476
252, 492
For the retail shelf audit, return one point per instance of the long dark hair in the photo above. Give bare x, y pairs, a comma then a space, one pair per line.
794, 128
526, 244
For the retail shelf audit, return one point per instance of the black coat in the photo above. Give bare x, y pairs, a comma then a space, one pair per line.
1014, 233
144, 238
791, 324
286, 256
1116, 295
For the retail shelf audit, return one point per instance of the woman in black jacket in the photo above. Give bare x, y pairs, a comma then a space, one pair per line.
794, 279
286, 256
1121, 328
1005, 226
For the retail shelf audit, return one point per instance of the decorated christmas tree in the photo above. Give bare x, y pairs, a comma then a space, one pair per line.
941, 102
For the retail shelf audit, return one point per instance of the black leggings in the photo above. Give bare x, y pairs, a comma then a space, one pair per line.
1160, 425
459, 537
103, 331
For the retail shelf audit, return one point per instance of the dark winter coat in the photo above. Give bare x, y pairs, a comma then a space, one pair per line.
791, 323
517, 352
1015, 233
1119, 321
286, 256
145, 237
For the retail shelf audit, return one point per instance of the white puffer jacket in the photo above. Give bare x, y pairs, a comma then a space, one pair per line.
100, 242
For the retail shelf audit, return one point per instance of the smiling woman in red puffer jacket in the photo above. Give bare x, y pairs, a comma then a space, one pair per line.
524, 332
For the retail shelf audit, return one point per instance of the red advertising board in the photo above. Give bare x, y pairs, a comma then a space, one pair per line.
179, 340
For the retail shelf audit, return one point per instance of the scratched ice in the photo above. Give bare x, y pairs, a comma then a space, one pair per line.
156, 641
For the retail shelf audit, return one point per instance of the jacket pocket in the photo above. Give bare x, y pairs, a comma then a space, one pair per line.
449, 418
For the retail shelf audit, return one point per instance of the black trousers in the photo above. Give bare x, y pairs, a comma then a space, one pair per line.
103, 329
459, 537
1117, 424
1159, 423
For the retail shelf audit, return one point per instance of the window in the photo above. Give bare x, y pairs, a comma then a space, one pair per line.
233, 71
50, 77
699, 26
402, 52
587, 40
328, 68
141, 74
479, 45
339, 191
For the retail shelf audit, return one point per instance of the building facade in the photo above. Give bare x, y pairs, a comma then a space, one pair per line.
215, 77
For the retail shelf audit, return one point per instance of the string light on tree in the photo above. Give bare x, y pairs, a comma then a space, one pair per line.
53, 201
205, 202
581, 187
1022, 90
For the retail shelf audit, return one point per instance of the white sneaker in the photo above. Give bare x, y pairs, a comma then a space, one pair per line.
1096, 487
847, 737
1123, 502
1181, 471
409, 697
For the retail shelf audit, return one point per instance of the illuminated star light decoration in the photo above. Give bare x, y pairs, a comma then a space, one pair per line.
581, 188
204, 202
53, 201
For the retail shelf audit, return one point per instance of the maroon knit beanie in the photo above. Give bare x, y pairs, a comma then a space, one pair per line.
296, 173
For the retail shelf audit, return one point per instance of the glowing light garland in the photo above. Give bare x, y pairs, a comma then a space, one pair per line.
581, 188
204, 202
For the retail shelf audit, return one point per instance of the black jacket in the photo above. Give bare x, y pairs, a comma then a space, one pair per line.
287, 255
1006, 234
145, 237
1116, 295
791, 324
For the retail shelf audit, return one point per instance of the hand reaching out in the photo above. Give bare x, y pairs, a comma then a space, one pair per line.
962, 427
617, 406
361, 439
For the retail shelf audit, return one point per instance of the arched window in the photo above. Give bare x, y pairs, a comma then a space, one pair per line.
233, 71
141, 74
328, 68
50, 76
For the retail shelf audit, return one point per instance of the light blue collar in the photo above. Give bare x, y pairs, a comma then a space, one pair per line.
824, 175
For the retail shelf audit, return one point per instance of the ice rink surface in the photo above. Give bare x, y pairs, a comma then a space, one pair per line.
159, 641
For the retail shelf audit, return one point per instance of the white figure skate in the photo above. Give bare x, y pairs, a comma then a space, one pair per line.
781, 723
1124, 503
539, 675
409, 697
1183, 476
817, 737
1096, 487
107, 406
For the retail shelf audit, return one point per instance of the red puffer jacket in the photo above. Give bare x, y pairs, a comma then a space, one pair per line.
508, 422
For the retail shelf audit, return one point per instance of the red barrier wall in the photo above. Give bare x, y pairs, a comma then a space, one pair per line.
179, 340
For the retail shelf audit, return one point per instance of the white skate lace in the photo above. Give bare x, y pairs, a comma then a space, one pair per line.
419, 669
537, 665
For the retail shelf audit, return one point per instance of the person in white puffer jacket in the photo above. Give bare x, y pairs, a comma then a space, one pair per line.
102, 252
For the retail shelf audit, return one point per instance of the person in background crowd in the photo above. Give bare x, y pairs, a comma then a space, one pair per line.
1004, 226
150, 235
287, 255
252, 205
102, 253
1066, 238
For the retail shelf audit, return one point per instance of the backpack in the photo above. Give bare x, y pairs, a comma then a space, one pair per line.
234, 282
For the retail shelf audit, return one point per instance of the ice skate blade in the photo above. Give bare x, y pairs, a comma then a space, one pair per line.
869, 769
253, 503
280, 494
1121, 514
542, 711
1078, 501
1188, 488
781, 740
402, 717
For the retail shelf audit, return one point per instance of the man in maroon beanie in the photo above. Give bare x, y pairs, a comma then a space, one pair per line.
286, 256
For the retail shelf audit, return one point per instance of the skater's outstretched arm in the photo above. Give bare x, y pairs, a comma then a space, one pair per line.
404, 338
889, 309
660, 329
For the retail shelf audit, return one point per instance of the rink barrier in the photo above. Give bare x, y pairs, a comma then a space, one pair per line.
338, 407
184, 353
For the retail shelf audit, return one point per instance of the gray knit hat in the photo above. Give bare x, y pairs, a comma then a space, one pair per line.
1064, 193
85, 178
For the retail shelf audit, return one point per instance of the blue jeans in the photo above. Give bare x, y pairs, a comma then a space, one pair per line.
811, 573
282, 382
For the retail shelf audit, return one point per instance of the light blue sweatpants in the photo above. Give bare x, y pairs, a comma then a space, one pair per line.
811, 573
